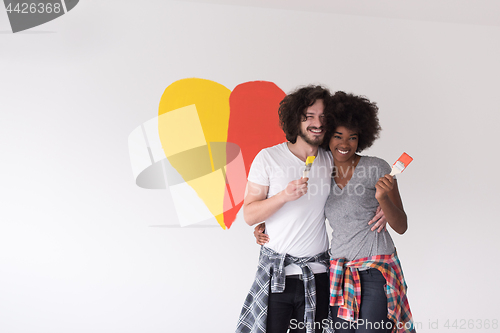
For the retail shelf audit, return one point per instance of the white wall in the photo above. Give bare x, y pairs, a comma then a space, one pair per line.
80, 250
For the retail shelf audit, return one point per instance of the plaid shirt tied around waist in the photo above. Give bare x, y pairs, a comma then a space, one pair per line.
345, 289
271, 271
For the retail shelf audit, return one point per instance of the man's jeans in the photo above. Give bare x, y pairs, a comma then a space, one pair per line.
287, 309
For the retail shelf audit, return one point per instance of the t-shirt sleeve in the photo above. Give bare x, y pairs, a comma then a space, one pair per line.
383, 168
259, 173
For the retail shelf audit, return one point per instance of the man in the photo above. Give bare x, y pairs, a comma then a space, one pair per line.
293, 208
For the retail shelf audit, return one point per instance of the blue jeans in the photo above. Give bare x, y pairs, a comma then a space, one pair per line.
373, 311
287, 309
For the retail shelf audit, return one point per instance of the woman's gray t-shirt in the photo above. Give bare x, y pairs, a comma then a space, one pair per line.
349, 210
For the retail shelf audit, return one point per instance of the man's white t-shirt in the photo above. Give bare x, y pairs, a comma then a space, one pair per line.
297, 228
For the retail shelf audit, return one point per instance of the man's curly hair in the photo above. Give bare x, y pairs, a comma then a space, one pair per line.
356, 113
293, 108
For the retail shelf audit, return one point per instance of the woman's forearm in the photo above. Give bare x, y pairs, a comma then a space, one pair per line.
396, 217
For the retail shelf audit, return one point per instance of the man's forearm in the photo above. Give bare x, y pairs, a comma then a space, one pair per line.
258, 211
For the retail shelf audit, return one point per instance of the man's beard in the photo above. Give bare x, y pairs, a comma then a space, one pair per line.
308, 140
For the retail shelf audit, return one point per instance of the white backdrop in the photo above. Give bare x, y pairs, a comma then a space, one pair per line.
82, 248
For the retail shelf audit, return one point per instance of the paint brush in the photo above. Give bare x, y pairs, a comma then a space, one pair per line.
309, 163
401, 164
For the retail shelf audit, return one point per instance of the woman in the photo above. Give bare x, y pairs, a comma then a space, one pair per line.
364, 267
363, 263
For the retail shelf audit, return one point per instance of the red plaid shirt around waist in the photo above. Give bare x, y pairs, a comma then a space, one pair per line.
345, 289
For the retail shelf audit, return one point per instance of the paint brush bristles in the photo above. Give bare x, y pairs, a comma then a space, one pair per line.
309, 163
401, 164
